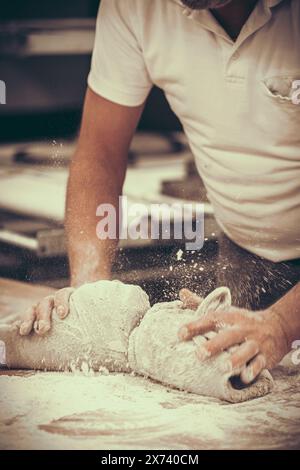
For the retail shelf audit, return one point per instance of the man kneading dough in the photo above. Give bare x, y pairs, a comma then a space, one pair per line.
227, 69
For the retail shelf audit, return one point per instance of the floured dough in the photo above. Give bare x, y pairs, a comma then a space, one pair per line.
156, 352
95, 333
111, 325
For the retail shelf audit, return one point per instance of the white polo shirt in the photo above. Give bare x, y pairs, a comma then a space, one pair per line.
234, 99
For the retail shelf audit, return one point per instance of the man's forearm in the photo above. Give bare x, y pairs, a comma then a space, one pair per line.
287, 310
96, 177
89, 185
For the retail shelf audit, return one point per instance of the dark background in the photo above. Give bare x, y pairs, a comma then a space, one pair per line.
61, 78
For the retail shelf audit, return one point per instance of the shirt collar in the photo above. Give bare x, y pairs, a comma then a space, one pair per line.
261, 14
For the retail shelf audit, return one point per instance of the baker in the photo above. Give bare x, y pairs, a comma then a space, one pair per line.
228, 69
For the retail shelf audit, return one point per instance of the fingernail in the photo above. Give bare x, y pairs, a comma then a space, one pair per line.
25, 328
202, 353
43, 327
183, 333
61, 311
247, 375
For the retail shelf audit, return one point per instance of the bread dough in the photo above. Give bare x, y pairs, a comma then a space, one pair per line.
111, 325
95, 333
156, 352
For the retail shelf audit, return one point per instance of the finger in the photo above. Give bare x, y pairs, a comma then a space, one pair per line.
28, 321
196, 328
223, 340
190, 299
244, 354
43, 315
253, 369
61, 301
17, 325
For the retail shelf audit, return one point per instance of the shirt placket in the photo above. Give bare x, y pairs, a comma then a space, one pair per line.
231, 51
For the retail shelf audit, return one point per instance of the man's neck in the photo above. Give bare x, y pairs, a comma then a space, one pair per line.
233, 16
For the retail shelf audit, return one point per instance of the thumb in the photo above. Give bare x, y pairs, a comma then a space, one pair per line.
189, 299
61, 301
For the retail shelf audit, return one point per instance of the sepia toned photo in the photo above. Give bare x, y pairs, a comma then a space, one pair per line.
150, 227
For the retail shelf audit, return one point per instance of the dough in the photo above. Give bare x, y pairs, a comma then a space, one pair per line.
111, 325
95, 333
156, 352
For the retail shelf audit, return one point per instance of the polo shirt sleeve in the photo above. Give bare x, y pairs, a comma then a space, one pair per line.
118, 71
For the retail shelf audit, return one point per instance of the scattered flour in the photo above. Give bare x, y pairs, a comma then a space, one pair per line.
119, 411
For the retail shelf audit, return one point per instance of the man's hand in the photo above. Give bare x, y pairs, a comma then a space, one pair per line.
260, 339
39, 316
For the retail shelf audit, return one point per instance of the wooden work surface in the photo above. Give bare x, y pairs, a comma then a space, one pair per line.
118, 411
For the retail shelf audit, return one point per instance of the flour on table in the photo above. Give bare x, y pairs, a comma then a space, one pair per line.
45, 410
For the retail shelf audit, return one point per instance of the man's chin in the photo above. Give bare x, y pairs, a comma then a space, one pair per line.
204, 4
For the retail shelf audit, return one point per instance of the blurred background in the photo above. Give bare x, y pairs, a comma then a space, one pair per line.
45, 53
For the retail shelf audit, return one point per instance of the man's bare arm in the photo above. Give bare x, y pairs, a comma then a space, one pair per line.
97, 174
